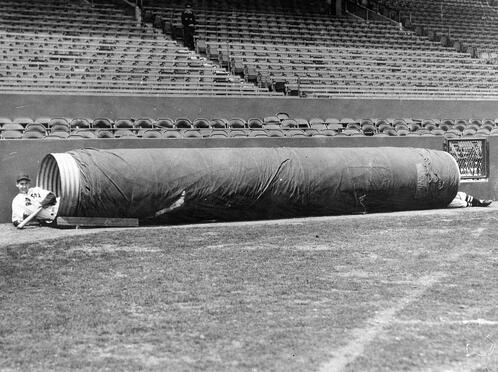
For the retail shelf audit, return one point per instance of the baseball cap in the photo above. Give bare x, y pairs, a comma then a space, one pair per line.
23, 177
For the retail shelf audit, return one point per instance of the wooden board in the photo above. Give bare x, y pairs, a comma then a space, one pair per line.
96, 222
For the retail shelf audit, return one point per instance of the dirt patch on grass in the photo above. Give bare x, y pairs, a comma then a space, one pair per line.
111, 248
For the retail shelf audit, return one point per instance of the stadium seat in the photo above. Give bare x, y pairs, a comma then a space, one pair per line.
165, 123
58, 134
296, 133
383, 126
237, 133
152, 133
320, 126
23, 121
353, 126
201, 123
58, 122
454, 131
289, 123
450, 135
124, 123
192, 134
254, 123
271, 120
274, 132
428, 124
460, 126
183, 123
172, 133
13, 126
312, 132
33, 135
78, 123
488, 122
60, 127
314, 122
390, 131
282, 116
446, 124
476, 122
328, 132
102, 123
368, 129
402, 126
124, 133
468, 132
271, 125
5, 121
104, 133
84, 133
218, 123
302, 123
237, 123
394, 122
257, 133
144, 123
11, 134
36, 128
218, 133
437, 132
43, 121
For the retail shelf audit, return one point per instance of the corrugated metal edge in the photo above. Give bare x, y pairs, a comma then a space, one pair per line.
60, 173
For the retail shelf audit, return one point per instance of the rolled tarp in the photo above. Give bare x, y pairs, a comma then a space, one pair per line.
247, 183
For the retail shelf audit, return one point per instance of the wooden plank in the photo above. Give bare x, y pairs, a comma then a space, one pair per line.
96, 222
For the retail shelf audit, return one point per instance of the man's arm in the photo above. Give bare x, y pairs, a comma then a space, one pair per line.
17, 211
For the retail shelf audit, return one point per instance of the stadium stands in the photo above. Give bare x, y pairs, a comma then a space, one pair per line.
465, 25
269, 126
301, 52
73, 48
257, 48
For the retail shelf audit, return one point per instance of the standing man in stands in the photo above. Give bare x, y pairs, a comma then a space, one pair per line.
188, 22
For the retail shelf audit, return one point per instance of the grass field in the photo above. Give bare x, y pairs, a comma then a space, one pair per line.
411, 291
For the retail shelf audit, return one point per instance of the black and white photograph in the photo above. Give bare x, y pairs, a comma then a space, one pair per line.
249, 185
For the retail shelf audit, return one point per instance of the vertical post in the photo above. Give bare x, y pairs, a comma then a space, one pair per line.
299, 87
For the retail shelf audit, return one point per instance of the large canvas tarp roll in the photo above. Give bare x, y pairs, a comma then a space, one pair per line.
249, 183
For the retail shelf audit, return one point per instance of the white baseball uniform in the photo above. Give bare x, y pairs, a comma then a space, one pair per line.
461, 200
25, 204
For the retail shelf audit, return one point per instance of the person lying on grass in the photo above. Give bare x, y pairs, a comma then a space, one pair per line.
463, 200
31, 199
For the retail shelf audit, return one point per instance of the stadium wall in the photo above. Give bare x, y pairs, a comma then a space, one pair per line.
33, 106
18, 156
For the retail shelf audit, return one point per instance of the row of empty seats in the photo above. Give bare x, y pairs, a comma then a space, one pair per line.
467, 25
279, 125
315, 55
73, 47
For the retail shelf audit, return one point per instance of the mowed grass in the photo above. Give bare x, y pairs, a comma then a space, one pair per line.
390, 292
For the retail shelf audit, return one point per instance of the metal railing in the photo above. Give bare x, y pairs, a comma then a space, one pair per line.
471, 155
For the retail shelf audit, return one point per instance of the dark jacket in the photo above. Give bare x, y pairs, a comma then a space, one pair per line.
188, 19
